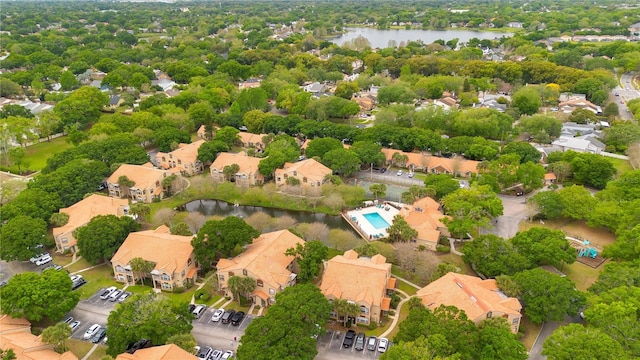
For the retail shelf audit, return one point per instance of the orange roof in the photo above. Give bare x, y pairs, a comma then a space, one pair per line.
248, 164
469, 293
248, 138
261, 294
309, 168
457, 164
8, 323
86, 209
386, 304
187, 153
549, 176
162, 352
145, 176
424, 217
265, 258
391, 284
359, 279
166, 250
15, 334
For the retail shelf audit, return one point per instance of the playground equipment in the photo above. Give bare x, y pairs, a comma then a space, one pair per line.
587, 250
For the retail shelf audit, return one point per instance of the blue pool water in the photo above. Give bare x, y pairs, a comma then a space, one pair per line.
376, 220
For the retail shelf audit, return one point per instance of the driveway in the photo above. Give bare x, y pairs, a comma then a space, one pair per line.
515, 210
545, 332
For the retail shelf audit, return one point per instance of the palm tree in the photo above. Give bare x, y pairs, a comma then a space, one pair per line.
346, 308
241, 286
142, 267
125, 184
141, 210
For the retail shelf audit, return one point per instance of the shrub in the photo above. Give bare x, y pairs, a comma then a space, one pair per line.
202, 295
443, 249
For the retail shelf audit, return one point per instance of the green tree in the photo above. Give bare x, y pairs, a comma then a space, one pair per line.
320, 146
527, 100
577, 201
82, 106
59, 219
140, 211
57, 336
576, 341
227, 135
345, 310
591, 169
103, 235
250, 99
289, 329
125, 184
184, 341
524, 150
17, 156
147, 316
208, 151
543, 246
400, 230
36, 296
48, 123
470, 209
378, 190
497, 342
7, 354
368, 152
68, 81
221, 238
19, 236
443, 269
141, 268
181, 228
241, 286
254, 121
342, 161
492, 256
309, 257
230, 170
442, 184
547, 204
346, 89
34, 203
548, 296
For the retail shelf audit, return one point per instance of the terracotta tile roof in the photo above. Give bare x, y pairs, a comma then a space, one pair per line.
309, 168
424, 216
457, 164
8, 323
166, 250
188, 153
145, 176
357, 279
386, 304
247, 138
86, 209
15, 334
162, 352
469, 293
248, 164
391, 284
549, 176
265, 258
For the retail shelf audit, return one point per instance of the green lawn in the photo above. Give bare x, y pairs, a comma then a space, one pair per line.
582, 275
78, 347
97, 278
531, 331
79, 265
406, 287
621, 165
139, 289
404, 312
457, 260
38, 154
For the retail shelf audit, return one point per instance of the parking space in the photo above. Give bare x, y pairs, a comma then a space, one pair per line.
330, 346
205, 320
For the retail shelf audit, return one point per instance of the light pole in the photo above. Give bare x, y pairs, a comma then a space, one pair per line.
371, 171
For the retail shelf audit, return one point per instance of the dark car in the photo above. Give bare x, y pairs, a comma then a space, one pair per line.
371, 343
204, 352
140, 344
78, 283
349, 337
226, 318
99, 335
237, 318
383, 170
359, 342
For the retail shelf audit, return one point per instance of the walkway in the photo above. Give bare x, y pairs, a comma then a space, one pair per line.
93, 348
200, 286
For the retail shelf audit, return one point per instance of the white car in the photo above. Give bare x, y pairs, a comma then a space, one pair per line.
217, 315
227, 355
107, 292
400, 172
91, 331
383, 343
43, 259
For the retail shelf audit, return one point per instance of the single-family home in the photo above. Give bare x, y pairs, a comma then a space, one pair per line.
247, 175
162, 352
446, 102
15, 334
584, 143
249, 84
455, 166
515, 25
174, 263
366, 103
365, 281
164, 83
249, 140
479, 299
550, 178
309, 173
424, 216
146, 182
316, 88
569, 106
81, 213
183, 160
574, 129
265, 262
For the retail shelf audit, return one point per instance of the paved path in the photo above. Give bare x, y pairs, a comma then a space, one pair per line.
396, 317
93, 348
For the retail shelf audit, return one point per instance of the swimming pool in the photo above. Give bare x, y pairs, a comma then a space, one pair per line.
376, 220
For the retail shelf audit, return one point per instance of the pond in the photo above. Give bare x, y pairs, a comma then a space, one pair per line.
381, 38
222, 208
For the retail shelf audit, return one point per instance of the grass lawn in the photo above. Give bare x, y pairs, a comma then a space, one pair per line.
582, 275
621, 165
139, 289
97, 278
38, 154
404, 312
181, 297
79, 265
457, 260
78, 347
98, 353
406, 287
530, 333
60, 259
235, 306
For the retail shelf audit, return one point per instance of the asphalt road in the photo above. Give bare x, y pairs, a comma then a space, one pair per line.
515, 210
626, 92
545, 332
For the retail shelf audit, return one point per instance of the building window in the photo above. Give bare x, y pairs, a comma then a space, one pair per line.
183, 273
64, 240
164, 159
221, 277
189, 261
244, 272
260, 282
166, 286
304, 179
165, 277
272, 291
120, 277
489, 315
364, 309
231, 273
119, 268
515, 321
362, 320
179, 162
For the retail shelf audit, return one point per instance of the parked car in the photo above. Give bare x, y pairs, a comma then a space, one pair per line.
410, 174
191, 308
383, 170
226, 317
107, 292
76, 278
115, 295
43, 259
399, 173
68, 320
33, 259
78, 283
91, 331
227, 355
217, 315
237, 318
383, 343
125, 295
199, 311
99, 335
359, 342
74, 325
371, 343
204, 352
349, 338
216, 355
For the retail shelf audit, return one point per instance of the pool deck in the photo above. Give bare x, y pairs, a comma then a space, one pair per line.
363, 226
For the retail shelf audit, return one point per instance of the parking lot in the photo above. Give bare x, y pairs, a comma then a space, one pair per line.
330, 347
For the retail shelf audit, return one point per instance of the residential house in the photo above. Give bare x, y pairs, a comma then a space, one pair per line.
479, 299
566, 96
366, 103
424, 216
456, 166
569, 106
249, 84
162, 352
164, 83
309, 173
249, 140
573, 129
15, 334
446, 103
634, 28
361, 280
174, 262
265, 262
114, 101
247, 175
316, 88
550, 178
81, 213
183, 160
515, 25
147, 182
584, 143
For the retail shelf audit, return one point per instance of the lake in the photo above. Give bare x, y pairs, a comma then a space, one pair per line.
222, 208
380, 38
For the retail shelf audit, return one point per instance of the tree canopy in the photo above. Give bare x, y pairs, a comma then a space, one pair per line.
102, 236
221, 238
